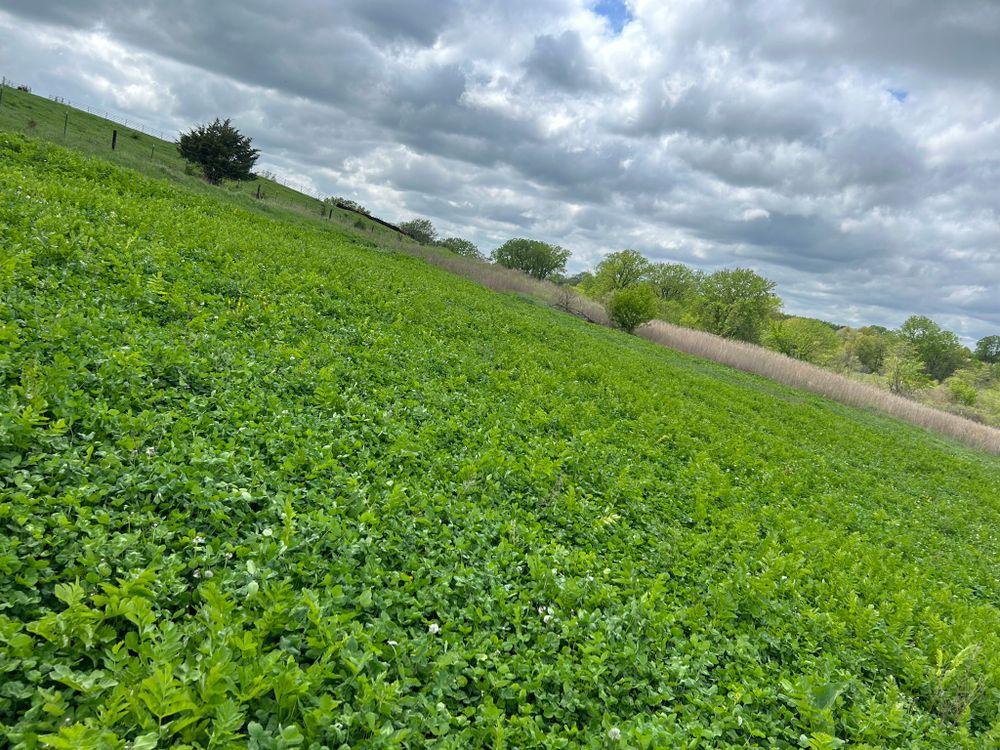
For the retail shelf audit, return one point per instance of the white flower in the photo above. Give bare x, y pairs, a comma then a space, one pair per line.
209, 574
392, 643
197, 574
434, 628
198, 540
546, 619
151, 451
267, 532
614, 734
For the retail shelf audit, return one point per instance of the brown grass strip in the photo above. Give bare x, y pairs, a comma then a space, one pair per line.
737, 354
808, 377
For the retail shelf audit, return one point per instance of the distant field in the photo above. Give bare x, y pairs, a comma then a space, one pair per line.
263, 484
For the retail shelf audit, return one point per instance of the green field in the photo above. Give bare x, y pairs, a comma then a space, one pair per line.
264, 485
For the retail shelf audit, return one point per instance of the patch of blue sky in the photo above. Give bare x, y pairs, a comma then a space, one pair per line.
615, 11
900, 95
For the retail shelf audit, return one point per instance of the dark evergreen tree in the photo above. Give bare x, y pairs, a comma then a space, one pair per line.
221, 151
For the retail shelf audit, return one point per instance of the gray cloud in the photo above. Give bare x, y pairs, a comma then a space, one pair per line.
563, 62
849, 150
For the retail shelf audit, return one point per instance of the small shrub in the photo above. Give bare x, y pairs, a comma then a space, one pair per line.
633, 306
962, 392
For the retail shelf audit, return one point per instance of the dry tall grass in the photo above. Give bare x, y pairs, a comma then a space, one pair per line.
798, 374
738, 354
501, 279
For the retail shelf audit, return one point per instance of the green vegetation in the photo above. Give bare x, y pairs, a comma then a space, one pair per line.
264, 485
220, 150
920, 360
422, 230
38, 117
460, 246
632, 306
535, 258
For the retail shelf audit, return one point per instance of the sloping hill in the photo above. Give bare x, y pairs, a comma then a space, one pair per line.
260, 484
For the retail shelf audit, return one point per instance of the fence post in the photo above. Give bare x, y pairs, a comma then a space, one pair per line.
3, 85
65, 125
114, 139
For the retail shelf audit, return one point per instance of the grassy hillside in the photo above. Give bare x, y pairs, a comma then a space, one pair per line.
38, 117
262, 485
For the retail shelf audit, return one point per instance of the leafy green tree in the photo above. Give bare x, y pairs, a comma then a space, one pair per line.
870, 350
581, 279
616, 271
461, 247
940, 351
221, 151
903, 369
802, 338
422, 230
736, 303
535, 258
674, 282
632, 306
988, 350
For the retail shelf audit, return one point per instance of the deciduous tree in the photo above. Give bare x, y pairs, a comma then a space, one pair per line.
422, 230
462, 247
988, 349
535, 258
616, 271
939, 350
736, 303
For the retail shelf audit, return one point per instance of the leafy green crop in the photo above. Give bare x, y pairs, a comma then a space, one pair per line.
264, 487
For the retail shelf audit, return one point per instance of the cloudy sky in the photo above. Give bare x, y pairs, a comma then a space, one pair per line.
847, 149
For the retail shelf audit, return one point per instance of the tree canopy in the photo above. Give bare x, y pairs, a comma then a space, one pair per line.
940, 351
674, 282
802, 338
422, 230
222, 152
617, 271
988, 349
534, 257
461, 246
736, 303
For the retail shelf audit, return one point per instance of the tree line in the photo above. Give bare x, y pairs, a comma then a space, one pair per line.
738, 303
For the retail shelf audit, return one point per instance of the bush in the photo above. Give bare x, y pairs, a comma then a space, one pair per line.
962, 392
633, 306
221, 151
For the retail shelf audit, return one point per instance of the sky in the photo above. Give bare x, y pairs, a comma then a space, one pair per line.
849, 150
